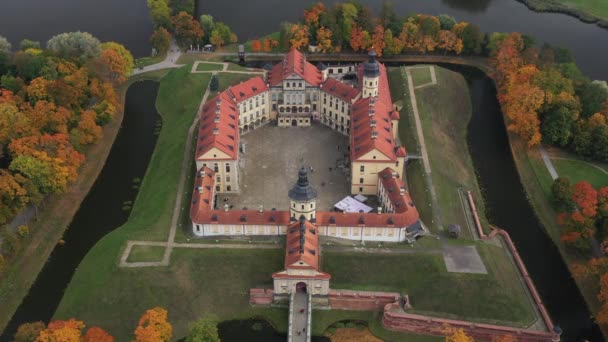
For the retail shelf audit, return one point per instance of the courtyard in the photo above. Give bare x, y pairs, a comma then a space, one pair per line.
269, 165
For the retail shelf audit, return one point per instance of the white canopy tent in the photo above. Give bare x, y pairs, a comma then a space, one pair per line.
351, 205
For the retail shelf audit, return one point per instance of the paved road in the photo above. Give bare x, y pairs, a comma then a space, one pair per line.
172, 56
548, 163
300, 319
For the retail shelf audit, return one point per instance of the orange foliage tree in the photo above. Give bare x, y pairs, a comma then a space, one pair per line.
585, 198
324, 39
96, 334
153, 326
378, 40
456, 335
64, 331
299, 36
256, 46
357, 38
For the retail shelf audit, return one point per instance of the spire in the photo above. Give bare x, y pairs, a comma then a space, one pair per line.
371, 68
302, 190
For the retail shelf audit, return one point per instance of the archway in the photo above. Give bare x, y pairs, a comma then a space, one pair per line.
301, 287
294, 122
294, 109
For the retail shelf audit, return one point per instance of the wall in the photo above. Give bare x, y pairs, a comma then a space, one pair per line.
395, 319
260, 296
361, 300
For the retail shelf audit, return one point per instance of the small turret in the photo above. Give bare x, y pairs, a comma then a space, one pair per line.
302, 198
371, 75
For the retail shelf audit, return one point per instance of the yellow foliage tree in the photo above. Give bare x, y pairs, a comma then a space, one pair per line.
153, 326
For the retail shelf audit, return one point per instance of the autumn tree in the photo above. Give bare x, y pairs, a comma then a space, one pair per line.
324, 39
602, 315
221, 34
590, 137
267, 45
357, 39
299, 36
96, 334
13, 194
28, 332
472, 37
392, 45
256, 46
187, 31
64, 331
153, 326
449, 42
584, 197
89, 131
203, 330
378, 40
161, 40
504, 338
456, 335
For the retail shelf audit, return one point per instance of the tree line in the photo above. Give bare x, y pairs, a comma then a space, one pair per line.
175, 19
546, 98
53, 103
153, 326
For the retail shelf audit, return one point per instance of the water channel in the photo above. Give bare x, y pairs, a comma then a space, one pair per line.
102, 209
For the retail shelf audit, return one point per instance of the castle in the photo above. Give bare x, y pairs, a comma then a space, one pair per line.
297, 93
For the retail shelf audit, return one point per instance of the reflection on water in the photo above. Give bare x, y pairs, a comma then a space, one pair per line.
468, 5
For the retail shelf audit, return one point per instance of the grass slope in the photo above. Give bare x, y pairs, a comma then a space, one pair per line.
209, 67
498, 296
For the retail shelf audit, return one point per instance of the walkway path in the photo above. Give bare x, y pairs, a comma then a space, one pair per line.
423, 150
172, 56
224, 69
548, 163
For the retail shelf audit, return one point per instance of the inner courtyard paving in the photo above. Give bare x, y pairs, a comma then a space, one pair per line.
272, 156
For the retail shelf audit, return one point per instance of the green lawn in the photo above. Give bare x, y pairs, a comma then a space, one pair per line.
445, 110
578, 170
198, 282
498, 296
420, 76
209, 67
598, 8
145, 61
141, 253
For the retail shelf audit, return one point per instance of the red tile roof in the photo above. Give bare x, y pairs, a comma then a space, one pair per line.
219, 126
371, 122
247, 89
339, 89
302, 245
395, 115
295, 63
202, 196
401, 152
399, 197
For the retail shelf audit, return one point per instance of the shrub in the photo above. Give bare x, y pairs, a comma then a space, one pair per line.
23, 231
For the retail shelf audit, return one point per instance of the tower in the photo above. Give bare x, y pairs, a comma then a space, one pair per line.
371, 76
302, 198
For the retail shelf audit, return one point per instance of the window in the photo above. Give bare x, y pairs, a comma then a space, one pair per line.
216, 168
360, 180
204, 165
218, 179
300, 84
360, 189
374, 157
227, 179
362, 168
397, 163
294, 205
227, 167
311, 205
217, 188
302, 206
228, 188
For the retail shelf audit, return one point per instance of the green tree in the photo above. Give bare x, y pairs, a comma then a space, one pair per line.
347, 19
29, 44
214, 84
46, 173
472, 39
161, 40
203, 330
5, 46
160, 13
446, 21
221, 35
28, 332
558, 124
183, 6
10, 242
75, 45
207, 24
593, 96
561, 190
